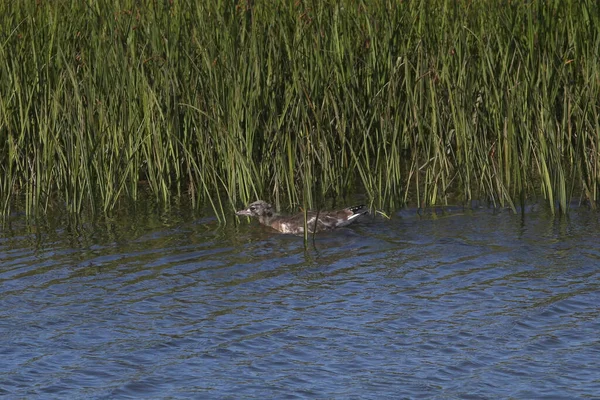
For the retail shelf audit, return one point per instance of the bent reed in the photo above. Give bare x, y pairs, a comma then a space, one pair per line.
226, 101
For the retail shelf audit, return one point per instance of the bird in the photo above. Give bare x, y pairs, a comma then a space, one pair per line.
294, 224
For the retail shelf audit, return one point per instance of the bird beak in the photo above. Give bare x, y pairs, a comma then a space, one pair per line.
244, 212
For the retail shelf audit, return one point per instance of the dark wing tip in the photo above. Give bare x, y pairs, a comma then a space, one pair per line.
360, 209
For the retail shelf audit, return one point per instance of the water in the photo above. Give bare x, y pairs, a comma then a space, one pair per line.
475, 304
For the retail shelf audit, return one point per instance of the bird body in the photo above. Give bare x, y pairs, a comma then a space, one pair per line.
315, 221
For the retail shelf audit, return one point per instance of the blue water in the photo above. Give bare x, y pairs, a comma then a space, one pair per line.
467, 304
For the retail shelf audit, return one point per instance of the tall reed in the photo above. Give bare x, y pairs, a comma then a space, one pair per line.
409, 102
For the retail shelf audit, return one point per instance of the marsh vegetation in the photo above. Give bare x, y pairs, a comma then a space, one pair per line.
222, 102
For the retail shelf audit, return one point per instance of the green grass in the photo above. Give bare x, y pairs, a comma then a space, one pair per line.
224, 102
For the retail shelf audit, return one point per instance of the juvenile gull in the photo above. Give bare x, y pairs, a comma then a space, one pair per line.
315, 221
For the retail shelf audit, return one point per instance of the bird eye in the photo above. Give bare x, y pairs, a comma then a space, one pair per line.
252, 208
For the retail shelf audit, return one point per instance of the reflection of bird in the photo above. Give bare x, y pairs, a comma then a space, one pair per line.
315, 221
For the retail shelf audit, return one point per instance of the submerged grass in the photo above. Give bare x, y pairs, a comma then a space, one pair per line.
408, 102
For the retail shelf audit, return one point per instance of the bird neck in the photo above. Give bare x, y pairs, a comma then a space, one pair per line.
267, 218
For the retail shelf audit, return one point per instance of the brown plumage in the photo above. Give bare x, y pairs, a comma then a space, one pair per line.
315, 221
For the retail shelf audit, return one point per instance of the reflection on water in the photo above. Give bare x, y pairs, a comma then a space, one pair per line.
475, 304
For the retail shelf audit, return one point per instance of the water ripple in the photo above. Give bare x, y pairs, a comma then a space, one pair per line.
468, 305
